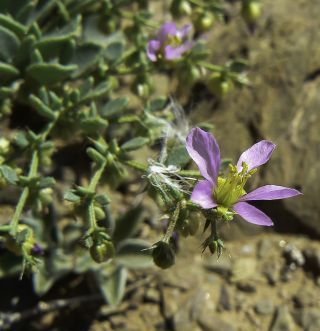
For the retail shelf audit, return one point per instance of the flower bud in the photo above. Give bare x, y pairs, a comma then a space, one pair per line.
193, 225
163, 255
45, 196
99, 213
102, 251
203, 20
180, 8
218, 85
251, 11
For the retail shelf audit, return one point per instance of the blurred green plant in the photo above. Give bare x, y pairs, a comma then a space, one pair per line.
65, 67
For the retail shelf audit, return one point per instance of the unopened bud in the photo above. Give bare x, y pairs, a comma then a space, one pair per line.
180, 8
163, 255
218, 85
203, 20
251, 11
103, 251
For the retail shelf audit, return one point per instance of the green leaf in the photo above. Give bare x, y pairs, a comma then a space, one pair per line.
114, 51
238, 66
127, 225
112, 284
9, 44
93, 125
157, 104
97, 92
21, 140
114, 107
42, 282
86, 57
50, 73
134, 144
9, 174
102, 199
8, 72
41, 108
71, 197
91, 31
46, 182
178, 156
58, 37
134, 254
12, 25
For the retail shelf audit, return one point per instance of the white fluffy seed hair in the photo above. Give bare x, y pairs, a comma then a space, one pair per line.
161, 175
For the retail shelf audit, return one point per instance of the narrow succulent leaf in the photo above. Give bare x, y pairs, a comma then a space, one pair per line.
8, 71
71, 197
114, 107
134, 144
9, 44
11, 24
41, 108
50, 73
112, 284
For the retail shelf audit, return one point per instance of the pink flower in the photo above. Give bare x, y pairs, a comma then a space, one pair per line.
227, 194
170, 42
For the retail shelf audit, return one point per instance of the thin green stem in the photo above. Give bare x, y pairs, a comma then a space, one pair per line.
92, 217
32, 173
25, 194
92, 187
172, 224
96, 177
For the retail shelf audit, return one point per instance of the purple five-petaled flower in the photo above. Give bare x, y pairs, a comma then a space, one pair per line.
227, 194
170, 42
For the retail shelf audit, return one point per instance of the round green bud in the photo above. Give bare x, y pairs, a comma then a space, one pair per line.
163, 255
102, 252
218, 85
45, 196
184, 228
99, 213
180, 8
193, 225
251, 11
189, 75
203, 21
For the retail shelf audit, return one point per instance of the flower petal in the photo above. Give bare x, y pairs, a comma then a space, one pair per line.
175, 52
205, 152
166, 29
152, 49
252, 214
270, 192
257, 155
183, 33
202, 194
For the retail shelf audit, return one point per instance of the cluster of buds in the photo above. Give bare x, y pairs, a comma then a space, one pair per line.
100, 245
22, 243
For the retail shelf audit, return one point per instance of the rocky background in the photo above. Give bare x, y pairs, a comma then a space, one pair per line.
266, 279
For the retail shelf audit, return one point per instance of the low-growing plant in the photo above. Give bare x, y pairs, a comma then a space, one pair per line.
79, 88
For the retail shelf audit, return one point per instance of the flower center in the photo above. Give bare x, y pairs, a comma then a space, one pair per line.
173, 40
231, 188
